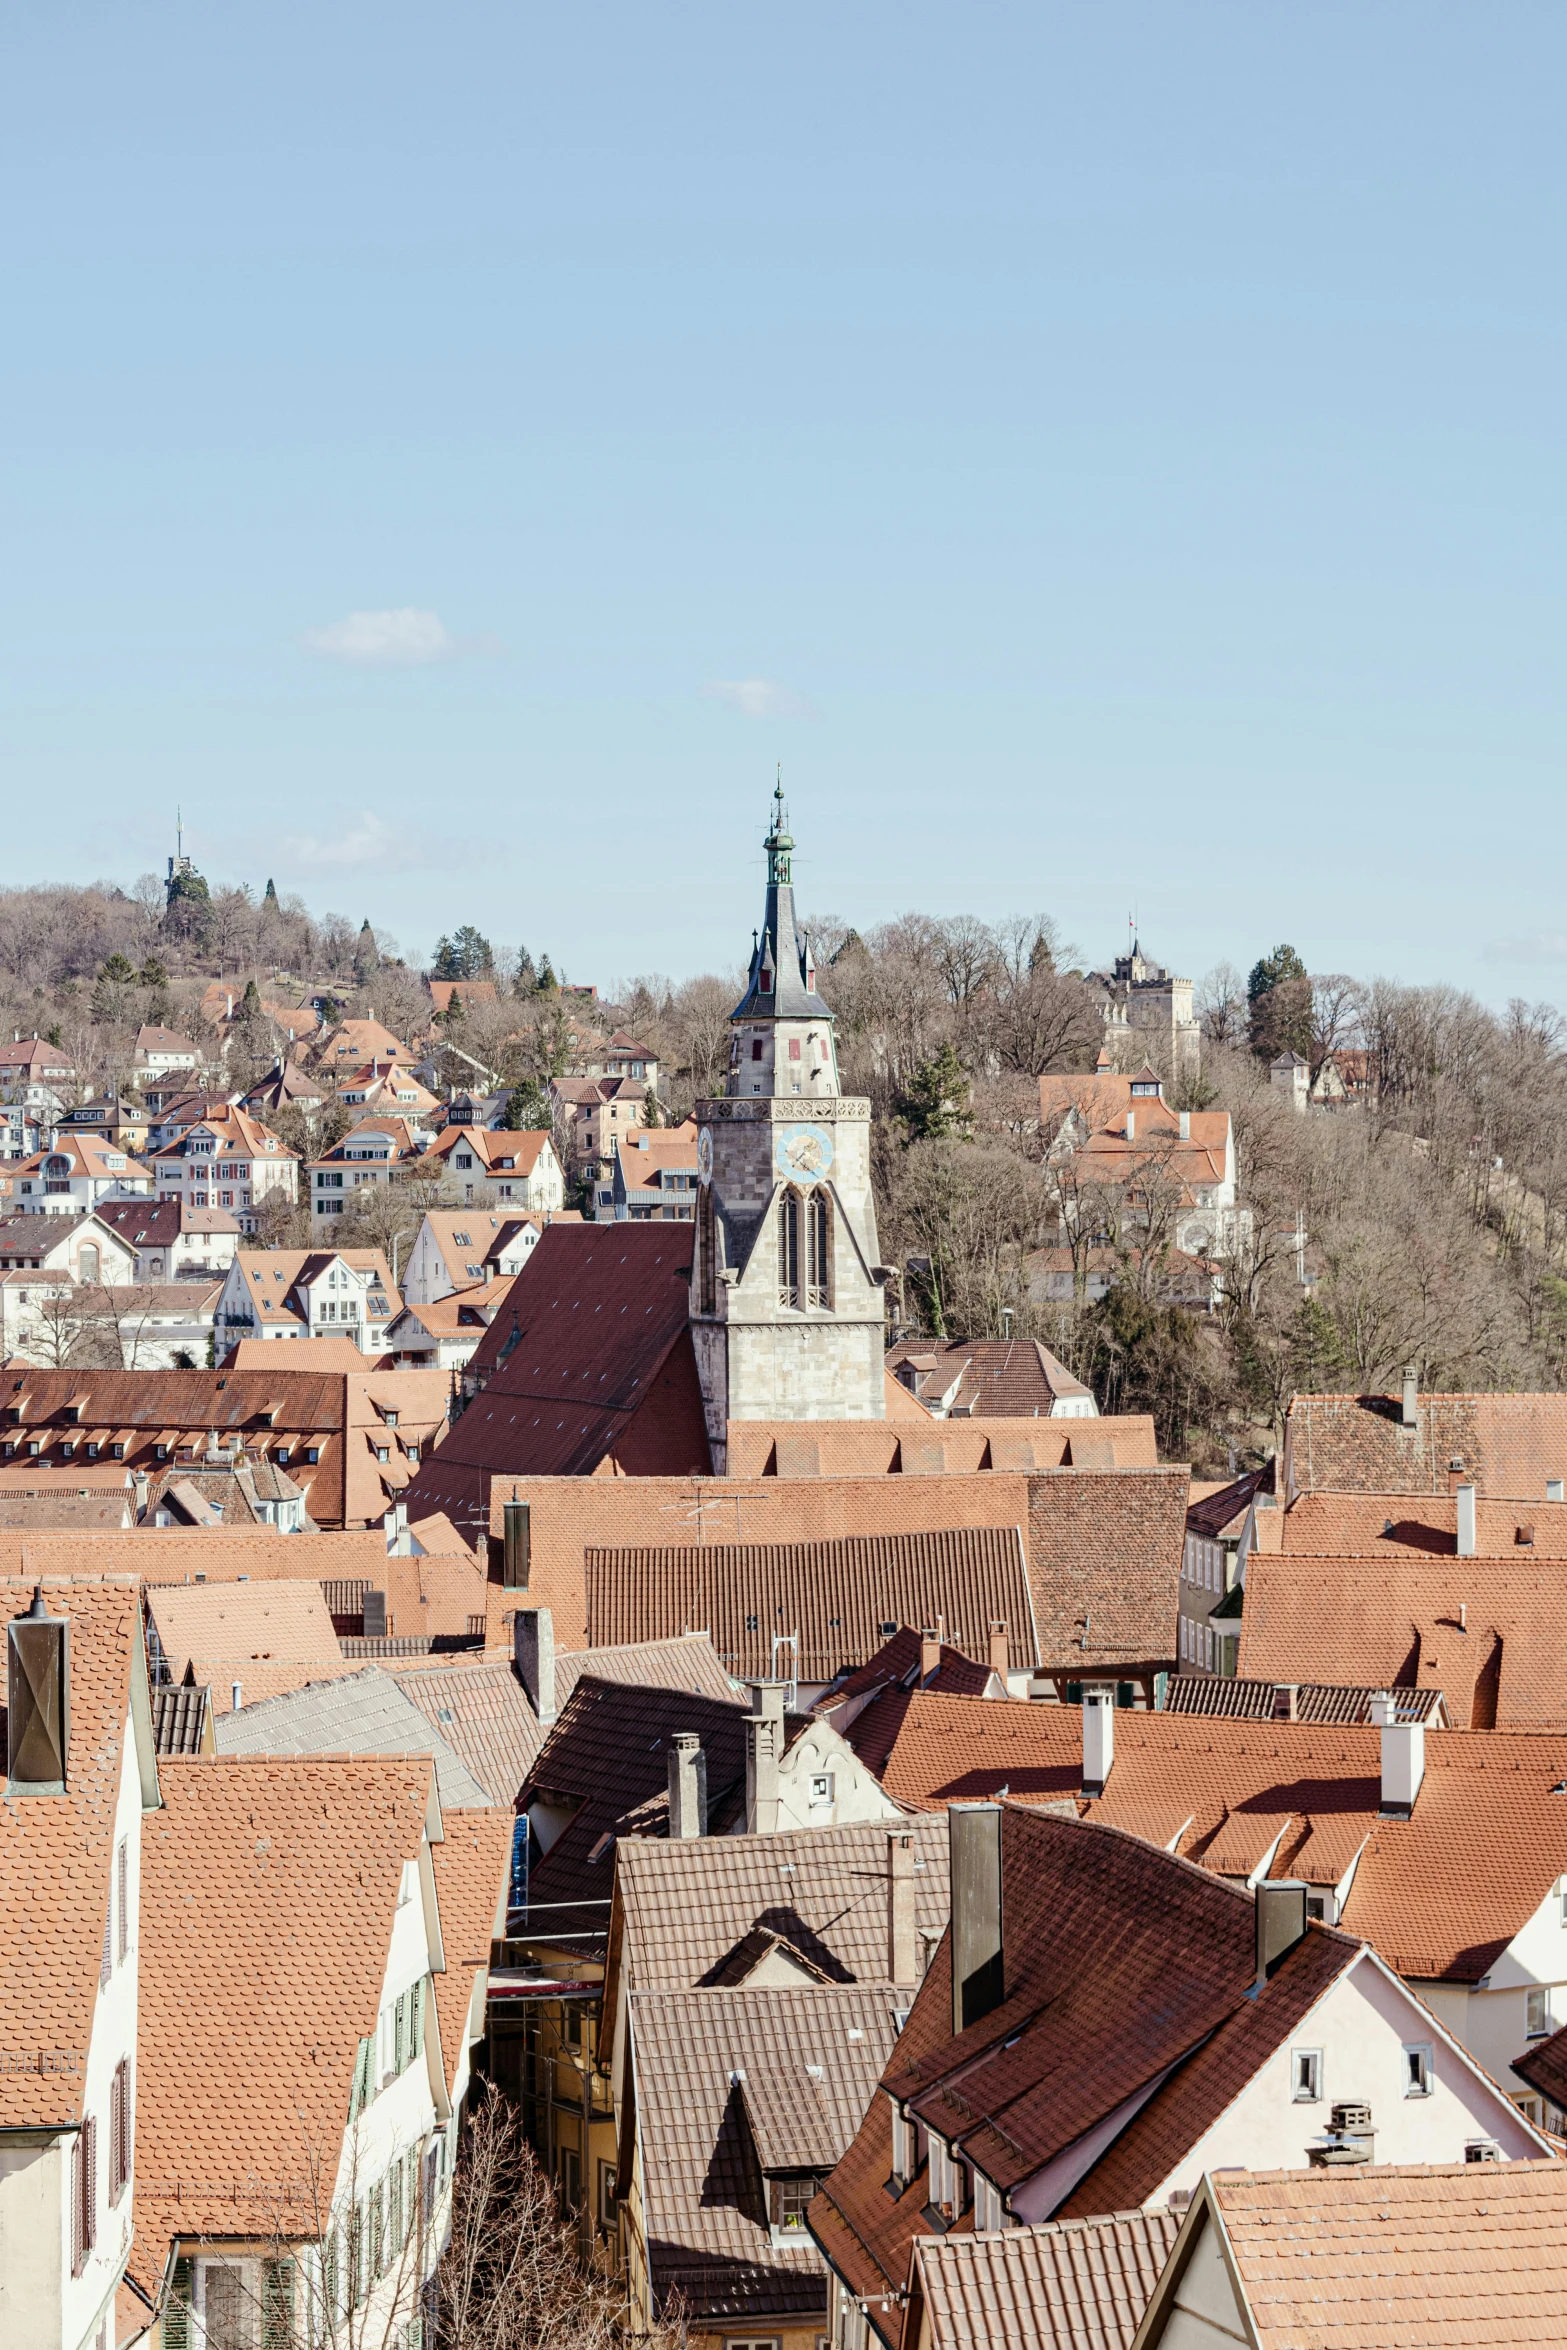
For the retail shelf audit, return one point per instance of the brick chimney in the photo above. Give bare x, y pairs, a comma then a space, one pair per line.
1000, 1653
902, 1940
1409, 1416
930, 1654
687, 1786
764, 1735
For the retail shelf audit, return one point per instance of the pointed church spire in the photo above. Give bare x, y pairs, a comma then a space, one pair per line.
781, 983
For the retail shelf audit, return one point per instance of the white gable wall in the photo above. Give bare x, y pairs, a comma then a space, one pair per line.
1360, 2026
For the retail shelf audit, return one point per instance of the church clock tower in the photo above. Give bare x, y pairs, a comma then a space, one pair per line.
787, 1306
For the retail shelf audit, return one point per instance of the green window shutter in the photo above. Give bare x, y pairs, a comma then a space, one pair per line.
177, 2310
277, 2305
364, 2077
400, 2033
418, 2017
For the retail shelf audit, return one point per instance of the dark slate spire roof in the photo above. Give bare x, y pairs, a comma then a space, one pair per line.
781, 984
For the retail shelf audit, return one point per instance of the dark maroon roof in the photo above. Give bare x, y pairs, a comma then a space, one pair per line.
574, 1350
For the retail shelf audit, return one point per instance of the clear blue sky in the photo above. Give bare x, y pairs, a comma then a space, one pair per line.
1108, 453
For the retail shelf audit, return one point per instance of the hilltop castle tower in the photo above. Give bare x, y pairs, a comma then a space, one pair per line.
787, 1301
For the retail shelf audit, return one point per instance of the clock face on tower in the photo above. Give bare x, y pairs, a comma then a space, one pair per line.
803, 1154
704, 1155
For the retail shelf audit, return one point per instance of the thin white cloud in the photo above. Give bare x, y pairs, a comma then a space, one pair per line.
405, 638
1541, 946
758, 697
368, 846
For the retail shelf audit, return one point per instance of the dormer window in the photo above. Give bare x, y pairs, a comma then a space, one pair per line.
786, 2203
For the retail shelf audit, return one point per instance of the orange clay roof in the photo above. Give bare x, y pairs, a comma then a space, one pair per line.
292, 1866
1509, 1444
1490, 1633
471, 1867
1441, 2257
1440, 1895
899, 1445
1374, 1524
56, 1855
270, 1637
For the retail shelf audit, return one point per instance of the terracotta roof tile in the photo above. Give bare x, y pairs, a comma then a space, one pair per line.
472, 1863
1079, 2284
1440, 1894
683, 1907
1491, 1633
56, 1858
841, 1597
1443, 2258
298, 1864
730, 2085
269, 1637
1509, 1445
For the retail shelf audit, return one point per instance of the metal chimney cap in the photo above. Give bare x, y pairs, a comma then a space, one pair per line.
38, 1613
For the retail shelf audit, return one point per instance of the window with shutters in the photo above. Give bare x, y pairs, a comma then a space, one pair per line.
331, 2301
228, 2308
277, 2305
84, 2195
356, 2258
375, 2227
119, 2130
400, 2032
364, 2077
394, 2209
122, 1887
416, 2024
178, 2328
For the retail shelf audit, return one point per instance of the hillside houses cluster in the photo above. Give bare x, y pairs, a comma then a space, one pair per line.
914, 1868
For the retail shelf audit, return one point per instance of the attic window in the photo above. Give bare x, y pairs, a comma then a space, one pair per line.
1524, 1537
887, 1630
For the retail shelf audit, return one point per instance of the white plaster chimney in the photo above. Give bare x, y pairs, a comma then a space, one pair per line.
1467, 1540
687, 1786
902, 1940
1098, 1739
1409, 1417
764, 1735
1403, 1757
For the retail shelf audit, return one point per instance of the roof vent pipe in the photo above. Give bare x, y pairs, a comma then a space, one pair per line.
687, 1786
1098, 1739
1403, 1757
1465, 1498
1409, 1417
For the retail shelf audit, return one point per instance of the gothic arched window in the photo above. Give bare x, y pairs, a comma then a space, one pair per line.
707, 1252
789, 1250
818, 1250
